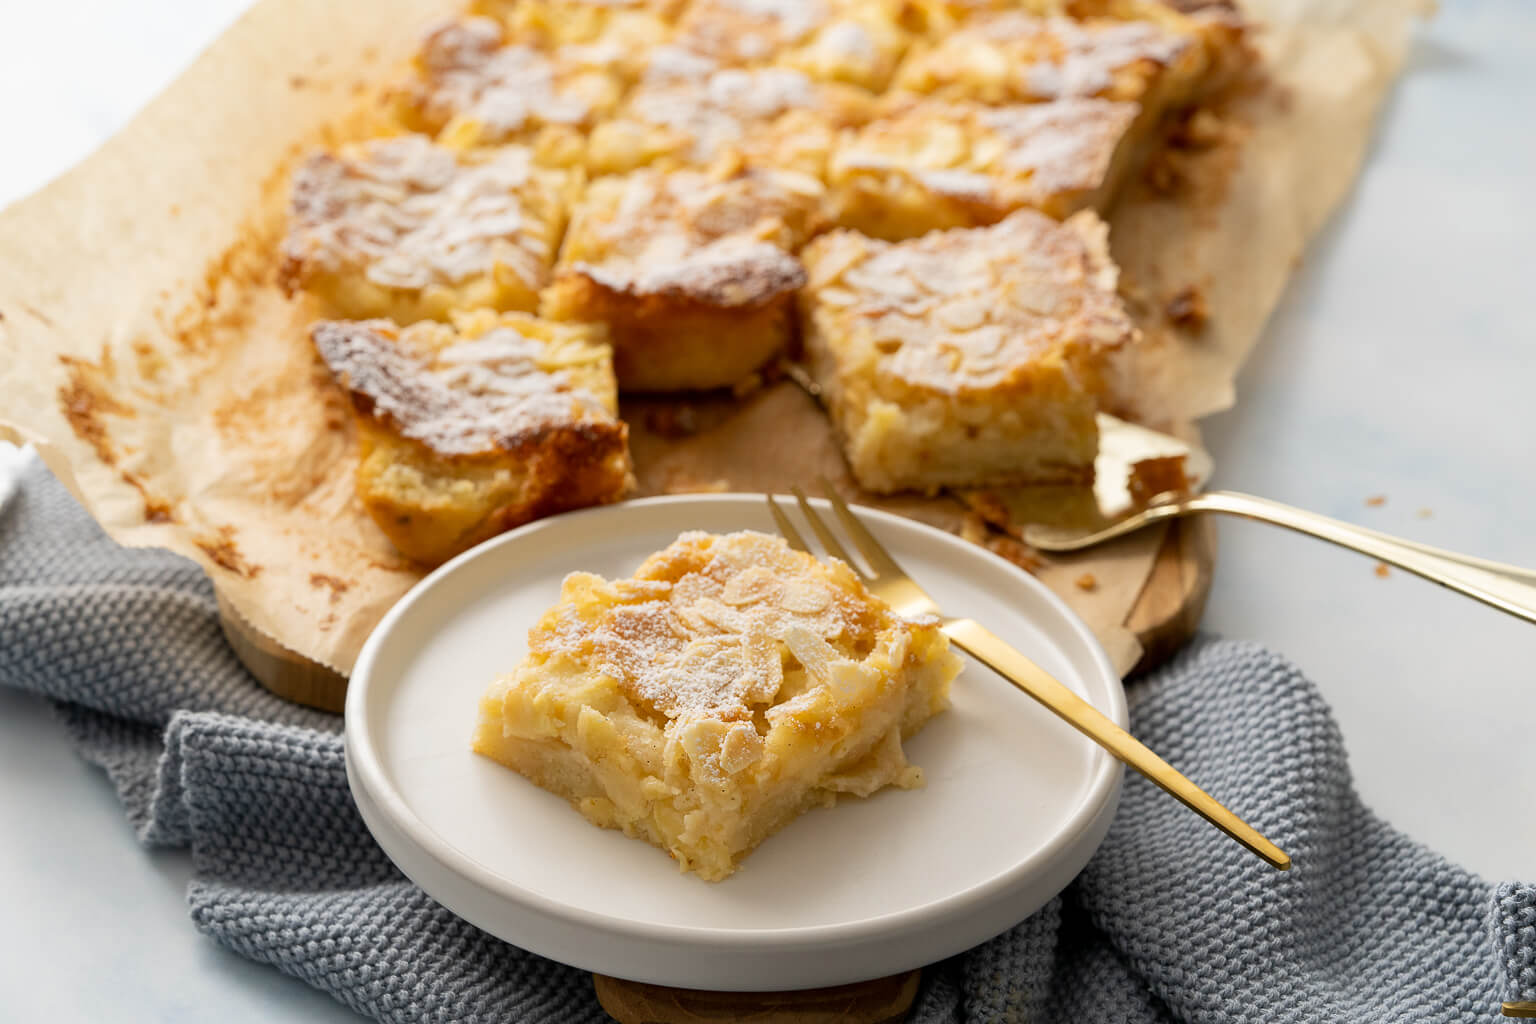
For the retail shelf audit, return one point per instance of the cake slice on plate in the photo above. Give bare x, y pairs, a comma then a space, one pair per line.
729, 685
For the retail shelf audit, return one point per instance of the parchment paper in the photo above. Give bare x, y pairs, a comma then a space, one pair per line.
146, 351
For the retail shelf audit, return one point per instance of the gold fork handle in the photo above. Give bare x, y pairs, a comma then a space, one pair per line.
1506, 587
984, 645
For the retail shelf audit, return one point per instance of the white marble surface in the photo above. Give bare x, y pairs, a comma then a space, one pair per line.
1401, 363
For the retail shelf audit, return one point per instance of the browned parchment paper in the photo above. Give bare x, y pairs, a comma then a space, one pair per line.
146, 351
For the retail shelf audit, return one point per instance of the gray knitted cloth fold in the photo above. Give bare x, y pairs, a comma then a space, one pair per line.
1169, 922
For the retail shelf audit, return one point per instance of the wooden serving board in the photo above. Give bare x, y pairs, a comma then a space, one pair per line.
881, 1001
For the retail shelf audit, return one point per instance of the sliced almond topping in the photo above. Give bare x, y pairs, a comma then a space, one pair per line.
804, 597
763, 668
756, 583
727, 620
740, 749
813, 653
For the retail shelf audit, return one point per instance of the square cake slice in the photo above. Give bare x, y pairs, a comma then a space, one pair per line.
689, 110
474, 87
407, 230
691, 271
1012, 56
969, 357
469, 430
928, 164
853, 41
729, 685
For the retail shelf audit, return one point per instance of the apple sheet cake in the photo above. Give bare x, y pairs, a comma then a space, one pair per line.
657, 178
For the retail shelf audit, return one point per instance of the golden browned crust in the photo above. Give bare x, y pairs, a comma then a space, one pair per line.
673, 343
558, 470
723, 274
469, 397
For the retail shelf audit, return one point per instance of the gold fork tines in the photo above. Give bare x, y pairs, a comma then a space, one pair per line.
890, 583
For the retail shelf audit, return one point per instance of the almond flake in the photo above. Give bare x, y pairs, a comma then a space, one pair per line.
804, 597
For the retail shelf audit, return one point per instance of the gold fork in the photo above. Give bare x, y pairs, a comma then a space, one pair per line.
891, 584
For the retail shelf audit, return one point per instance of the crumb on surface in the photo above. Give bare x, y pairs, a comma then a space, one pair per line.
680, 481
1376, 500
1163, 474
973, 528
1200, 129
1017, 552
1087, 581
747, 386
1383, 570
673, 421
991, 508
1188, 308
1425, 513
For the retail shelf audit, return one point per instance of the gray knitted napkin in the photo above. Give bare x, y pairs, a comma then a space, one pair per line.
1169, 922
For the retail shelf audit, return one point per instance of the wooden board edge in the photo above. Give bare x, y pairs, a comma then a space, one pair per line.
286, 673
880, 1001
1168, 610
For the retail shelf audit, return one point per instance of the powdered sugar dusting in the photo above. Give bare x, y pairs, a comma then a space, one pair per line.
408, 214
849, 41
720, 242
964, 309
714, 629
749, 30
1024, 154
714, 108
474, 396
1089, 56
1050, 58
468, 73
1061, 146
961, 184
755, 271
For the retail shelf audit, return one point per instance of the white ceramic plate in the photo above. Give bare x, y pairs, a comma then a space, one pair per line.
1015, 803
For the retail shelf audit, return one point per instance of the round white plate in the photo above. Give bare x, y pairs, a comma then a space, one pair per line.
1015, 802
